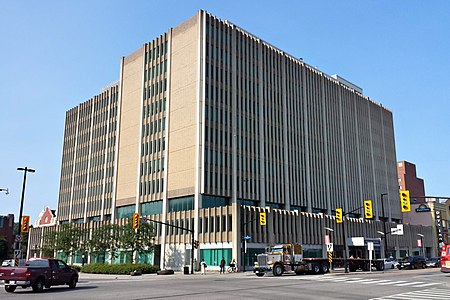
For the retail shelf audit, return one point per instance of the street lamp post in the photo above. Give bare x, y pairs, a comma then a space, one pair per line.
384, 225
421, 242
25, 171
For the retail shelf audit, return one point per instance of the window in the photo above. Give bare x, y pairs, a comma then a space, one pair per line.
125, 211
151, 208
181, 204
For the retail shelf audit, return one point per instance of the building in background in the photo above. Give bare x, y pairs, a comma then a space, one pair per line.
7, 233
210, 125
47, 217
408, 180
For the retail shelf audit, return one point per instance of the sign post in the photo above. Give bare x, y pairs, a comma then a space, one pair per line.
370, 248
330, 255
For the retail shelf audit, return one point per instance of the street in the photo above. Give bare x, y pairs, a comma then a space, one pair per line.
393, 284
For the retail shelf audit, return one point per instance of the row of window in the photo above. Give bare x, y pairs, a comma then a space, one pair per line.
155, 71
151, 187
153, 146
155, 89
154, 127
156, 52
154, 108
149, 167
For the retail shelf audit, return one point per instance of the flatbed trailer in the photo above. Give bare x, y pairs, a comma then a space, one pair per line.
287, 258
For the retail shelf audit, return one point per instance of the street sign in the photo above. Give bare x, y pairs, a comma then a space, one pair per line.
330, 257
247, 237
143, 220
370, 246
327, 239
17, 253
18, 238
330, 247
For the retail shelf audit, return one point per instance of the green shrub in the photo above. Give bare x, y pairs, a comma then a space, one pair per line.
76, 267
119, 268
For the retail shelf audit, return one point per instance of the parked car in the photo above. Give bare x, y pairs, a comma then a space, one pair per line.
390, 263
412, 262
8, 263
434, 262
38, 273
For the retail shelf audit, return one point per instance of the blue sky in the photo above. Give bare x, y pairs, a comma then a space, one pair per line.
57, 54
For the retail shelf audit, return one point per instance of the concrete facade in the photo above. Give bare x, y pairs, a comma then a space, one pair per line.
209, 125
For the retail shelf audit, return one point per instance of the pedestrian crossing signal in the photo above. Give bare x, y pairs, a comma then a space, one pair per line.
339, 215
136, 221
368, 212
262, 218
405, 202
25, 224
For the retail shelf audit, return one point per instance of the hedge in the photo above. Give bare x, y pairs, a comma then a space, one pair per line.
119, 268
76, 267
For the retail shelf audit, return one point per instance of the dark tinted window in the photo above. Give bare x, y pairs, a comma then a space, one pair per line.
37, 263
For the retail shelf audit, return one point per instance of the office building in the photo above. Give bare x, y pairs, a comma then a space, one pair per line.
209, 125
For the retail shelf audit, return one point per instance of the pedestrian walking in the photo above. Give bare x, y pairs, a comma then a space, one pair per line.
222, 266
203, 266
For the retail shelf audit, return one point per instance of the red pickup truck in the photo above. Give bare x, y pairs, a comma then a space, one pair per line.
38, 273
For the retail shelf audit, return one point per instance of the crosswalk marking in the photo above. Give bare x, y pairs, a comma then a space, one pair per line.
429, 284
381, 282
410, 283
376, 281
440, 294
393, 282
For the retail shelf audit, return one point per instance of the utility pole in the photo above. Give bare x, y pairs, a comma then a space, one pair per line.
384, 225
25, 170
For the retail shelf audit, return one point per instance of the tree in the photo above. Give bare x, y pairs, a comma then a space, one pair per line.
49, 243
66, 238
136, 240
102, 239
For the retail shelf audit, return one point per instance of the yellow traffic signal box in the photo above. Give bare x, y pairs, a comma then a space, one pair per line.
339, 215
405, 202
25, 224
136, 221
368, 212
262, 218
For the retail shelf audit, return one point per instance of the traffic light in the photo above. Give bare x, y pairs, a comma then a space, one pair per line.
262, 218
339, 215
25, 224
196, 244
405, 202
368, 212
136, 221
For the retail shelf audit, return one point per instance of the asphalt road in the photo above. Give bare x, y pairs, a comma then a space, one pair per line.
392, 284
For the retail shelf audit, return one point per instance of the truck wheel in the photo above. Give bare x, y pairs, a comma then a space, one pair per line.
38, 286
316, 268
366, 267
73, 282
260, 274
10, 288
325, 268
278, 270
380, 266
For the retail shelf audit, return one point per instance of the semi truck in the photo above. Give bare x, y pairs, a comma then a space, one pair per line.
287, 258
